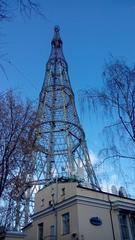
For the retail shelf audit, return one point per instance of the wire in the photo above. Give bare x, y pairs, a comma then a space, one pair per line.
21, 73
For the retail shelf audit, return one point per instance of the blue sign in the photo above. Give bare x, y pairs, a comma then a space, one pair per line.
96, 221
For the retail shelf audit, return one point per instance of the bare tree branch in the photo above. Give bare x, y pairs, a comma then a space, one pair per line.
115, 101
16, 125
25, 7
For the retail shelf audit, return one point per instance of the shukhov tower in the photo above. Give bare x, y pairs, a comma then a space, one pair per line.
60, 150
62, 146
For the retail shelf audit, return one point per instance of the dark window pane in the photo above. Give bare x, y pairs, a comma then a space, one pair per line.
132, 223
124, 227
66, 223
40, 231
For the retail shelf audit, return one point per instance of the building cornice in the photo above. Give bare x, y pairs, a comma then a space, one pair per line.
118, 205
78, 199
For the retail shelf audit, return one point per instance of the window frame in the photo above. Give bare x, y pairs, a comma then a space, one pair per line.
132, 225
124, 228
65, 223
38, 231
52, 232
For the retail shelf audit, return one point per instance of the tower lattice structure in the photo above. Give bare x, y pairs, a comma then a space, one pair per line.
62, 145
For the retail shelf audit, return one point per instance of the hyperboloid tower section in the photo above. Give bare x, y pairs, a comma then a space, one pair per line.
60, 151
62, 145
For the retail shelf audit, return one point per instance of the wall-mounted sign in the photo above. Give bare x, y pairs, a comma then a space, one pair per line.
96, 221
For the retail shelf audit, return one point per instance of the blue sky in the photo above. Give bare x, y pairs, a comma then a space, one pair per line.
91, 31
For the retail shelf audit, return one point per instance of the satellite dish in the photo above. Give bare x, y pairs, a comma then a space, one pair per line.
114, 190
122, 192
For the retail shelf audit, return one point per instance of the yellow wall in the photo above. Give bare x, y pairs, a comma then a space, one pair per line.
90, 231
31, 233
82, 204
56, 189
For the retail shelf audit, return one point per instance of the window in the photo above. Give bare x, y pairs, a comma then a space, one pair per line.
65, 223
40, 231
52, 232
132, 224
50, 203
42, 202
124, 227
63, 192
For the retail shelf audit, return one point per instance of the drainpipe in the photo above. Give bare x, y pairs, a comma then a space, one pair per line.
55, 210
56, 225
111, 217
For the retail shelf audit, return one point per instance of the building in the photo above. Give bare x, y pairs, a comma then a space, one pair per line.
11, 235
65, 210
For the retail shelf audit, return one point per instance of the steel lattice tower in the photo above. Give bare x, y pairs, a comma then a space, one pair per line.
62, 145
60, 148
